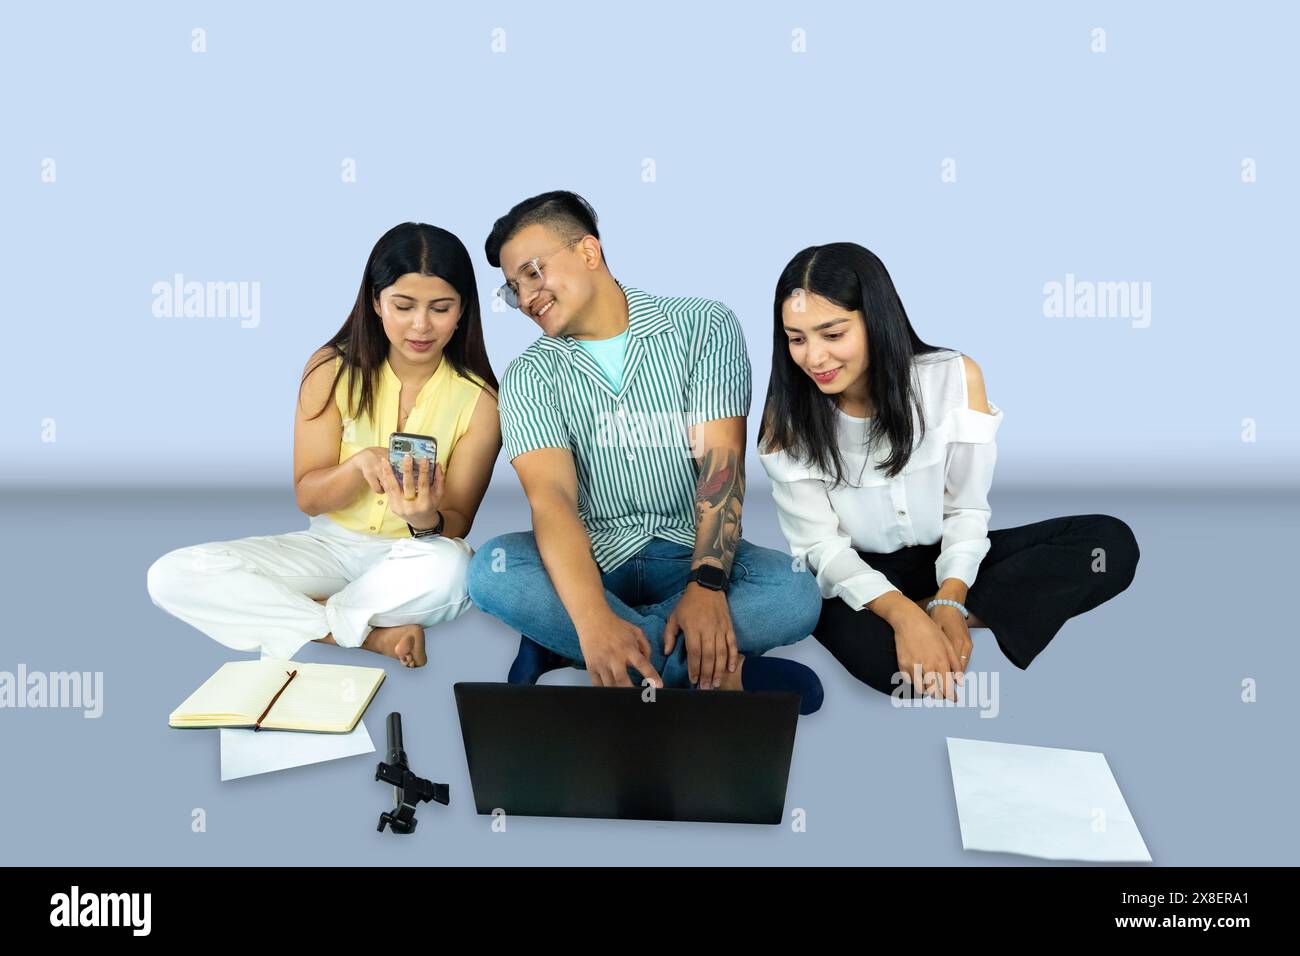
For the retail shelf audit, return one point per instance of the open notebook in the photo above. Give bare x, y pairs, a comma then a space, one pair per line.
281, 695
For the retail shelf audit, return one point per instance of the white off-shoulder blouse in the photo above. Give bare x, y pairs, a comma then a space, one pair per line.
941, 495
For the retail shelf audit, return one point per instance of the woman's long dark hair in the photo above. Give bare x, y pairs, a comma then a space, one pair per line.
797, 417
426, 250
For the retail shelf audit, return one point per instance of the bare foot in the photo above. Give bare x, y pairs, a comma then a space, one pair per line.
732, 681
404, 643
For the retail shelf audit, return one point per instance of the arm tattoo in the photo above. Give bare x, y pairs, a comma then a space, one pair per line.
719, 497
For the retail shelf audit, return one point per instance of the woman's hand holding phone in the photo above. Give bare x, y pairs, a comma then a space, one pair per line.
423, 480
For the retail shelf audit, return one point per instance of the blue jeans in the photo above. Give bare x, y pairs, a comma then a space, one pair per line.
771, 603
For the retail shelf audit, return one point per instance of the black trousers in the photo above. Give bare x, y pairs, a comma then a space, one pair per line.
1034, 579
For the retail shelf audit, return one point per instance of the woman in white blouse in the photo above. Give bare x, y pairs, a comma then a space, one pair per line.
881, 451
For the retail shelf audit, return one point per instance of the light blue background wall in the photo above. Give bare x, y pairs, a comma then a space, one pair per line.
226, 166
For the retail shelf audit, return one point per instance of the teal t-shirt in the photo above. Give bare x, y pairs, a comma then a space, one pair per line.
610, 355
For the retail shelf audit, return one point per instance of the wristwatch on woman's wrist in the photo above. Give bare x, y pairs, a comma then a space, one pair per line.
429, 532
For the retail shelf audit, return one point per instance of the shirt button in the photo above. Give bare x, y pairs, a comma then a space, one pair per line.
901, 513
372, 527
380, 501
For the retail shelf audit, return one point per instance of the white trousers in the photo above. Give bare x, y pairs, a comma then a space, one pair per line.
257, 594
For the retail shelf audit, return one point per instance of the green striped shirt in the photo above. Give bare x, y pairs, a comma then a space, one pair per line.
686, 364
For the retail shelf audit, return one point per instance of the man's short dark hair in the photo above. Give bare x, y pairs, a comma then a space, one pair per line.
565, 213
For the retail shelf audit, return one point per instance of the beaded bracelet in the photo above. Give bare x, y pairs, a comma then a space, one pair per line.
959, 606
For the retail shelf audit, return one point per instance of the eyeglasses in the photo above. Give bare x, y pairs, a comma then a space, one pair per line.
529, 276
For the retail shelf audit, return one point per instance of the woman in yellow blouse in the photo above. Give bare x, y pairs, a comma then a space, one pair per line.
380, 561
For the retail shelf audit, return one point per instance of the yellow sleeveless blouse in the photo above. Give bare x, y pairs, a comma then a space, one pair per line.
442, 409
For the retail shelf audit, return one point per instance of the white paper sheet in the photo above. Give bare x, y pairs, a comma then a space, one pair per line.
248, 752
1041, 801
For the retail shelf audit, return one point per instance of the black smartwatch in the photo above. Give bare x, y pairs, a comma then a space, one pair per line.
709, 576
429, 532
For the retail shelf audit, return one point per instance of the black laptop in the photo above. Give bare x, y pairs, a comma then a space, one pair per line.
560, 751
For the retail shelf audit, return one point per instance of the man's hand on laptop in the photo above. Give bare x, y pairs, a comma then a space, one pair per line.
610, 646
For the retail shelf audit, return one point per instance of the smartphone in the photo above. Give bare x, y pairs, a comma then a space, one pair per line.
400, 444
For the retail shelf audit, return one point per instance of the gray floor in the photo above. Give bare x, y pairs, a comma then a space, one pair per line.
1153, 680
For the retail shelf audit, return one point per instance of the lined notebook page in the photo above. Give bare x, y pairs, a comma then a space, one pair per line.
324, 695
237, 689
